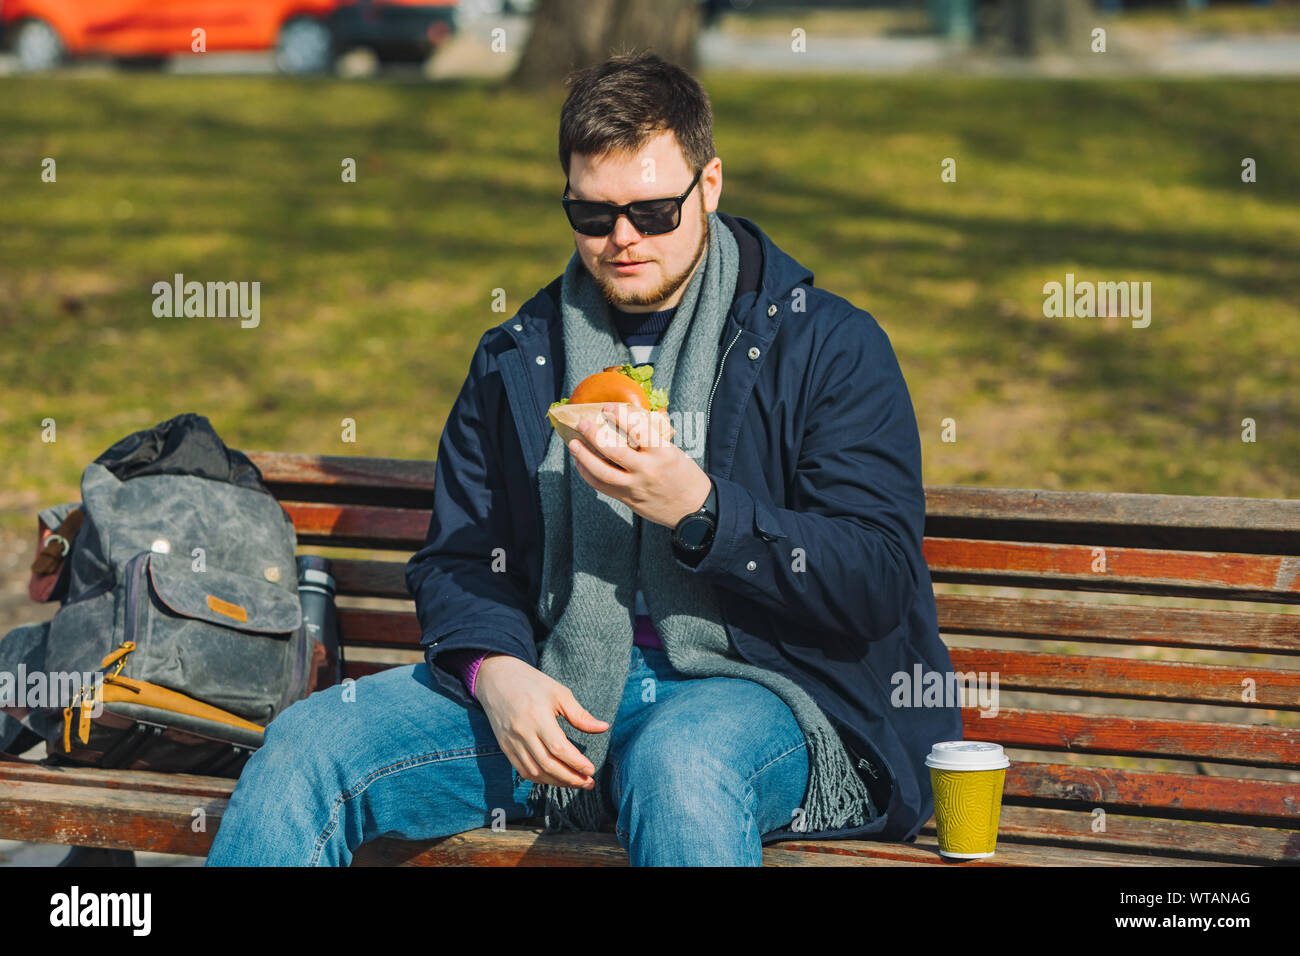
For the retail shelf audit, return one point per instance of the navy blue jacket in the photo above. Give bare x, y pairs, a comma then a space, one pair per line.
814, 450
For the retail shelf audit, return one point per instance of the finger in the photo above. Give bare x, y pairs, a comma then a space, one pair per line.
552, 768
579, 716
619, 416
521, 760
605, 477
602, 438
569, 756
633, 422
526, 766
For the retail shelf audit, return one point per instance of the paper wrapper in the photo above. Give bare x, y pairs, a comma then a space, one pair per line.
565, 419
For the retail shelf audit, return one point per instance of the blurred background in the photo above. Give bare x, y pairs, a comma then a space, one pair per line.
1116, 141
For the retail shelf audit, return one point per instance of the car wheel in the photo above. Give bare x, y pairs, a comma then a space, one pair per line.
401, 56
38, 46
135, 63
304, 46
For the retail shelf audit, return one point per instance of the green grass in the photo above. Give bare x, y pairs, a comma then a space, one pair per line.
375, 293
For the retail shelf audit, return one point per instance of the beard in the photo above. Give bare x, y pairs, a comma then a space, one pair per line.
619, 298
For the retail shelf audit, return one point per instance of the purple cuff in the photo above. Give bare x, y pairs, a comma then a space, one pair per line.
644, 633
466, 664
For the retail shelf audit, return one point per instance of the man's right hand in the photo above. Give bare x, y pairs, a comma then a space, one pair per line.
522, 704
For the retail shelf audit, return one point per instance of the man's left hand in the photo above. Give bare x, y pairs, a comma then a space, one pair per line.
653, 477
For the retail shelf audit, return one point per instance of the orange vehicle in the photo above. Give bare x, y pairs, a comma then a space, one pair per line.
306, 35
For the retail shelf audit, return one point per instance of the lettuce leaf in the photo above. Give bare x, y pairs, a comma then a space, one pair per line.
643, 374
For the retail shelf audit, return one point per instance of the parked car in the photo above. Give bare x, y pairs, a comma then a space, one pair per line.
306, 35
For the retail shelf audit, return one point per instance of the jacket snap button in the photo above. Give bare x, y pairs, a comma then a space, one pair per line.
541, 360
754, 352
751, 566
771, 310
518, 327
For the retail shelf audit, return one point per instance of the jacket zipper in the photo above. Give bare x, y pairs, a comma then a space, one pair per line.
708, 412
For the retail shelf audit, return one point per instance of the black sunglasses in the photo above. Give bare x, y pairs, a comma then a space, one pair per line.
650, 217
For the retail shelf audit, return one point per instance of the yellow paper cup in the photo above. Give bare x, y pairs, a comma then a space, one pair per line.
967, 777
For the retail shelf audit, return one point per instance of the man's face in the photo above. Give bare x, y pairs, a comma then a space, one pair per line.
667, 261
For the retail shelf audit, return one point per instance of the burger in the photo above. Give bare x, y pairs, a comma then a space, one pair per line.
621, 384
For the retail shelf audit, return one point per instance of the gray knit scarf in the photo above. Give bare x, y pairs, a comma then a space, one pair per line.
597, 550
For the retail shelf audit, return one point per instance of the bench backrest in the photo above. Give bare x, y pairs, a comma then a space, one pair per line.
1178, 774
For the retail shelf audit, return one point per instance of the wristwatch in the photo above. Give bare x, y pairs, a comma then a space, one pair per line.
694, 533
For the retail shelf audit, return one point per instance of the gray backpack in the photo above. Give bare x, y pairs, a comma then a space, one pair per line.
181, 591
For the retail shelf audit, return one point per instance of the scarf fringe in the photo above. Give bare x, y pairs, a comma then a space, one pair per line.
566, 808
838, 797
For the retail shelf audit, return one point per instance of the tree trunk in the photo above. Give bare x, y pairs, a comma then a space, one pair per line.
573, 34
1032, 27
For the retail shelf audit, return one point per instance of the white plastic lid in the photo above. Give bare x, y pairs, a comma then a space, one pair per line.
967, 755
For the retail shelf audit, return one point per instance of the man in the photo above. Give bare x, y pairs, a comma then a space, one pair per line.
717, 619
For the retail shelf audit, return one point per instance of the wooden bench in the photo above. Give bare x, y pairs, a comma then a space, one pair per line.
1119, 757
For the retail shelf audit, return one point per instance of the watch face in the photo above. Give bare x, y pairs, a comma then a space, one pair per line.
695, 532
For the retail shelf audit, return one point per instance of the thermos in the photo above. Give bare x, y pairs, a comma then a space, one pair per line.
316, 595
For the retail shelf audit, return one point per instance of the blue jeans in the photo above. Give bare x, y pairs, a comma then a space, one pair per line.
698, 769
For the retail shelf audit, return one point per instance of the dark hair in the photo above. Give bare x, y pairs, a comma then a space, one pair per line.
622, 103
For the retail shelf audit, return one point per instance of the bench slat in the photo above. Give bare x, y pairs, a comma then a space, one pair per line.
360, 578
1252, 745
1195, 523
1089, 675
1273, 801
368, 627
321, 472
359, 526
118, 819
143, 781
1219, 841
1247, 577
1119, 623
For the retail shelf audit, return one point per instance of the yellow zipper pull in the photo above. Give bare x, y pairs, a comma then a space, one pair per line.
67, 730
83, 728
119, 656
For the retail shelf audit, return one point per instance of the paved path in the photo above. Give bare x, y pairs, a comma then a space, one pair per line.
470, 54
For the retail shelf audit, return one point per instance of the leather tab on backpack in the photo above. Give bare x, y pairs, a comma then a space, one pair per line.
56, 545
229, 610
